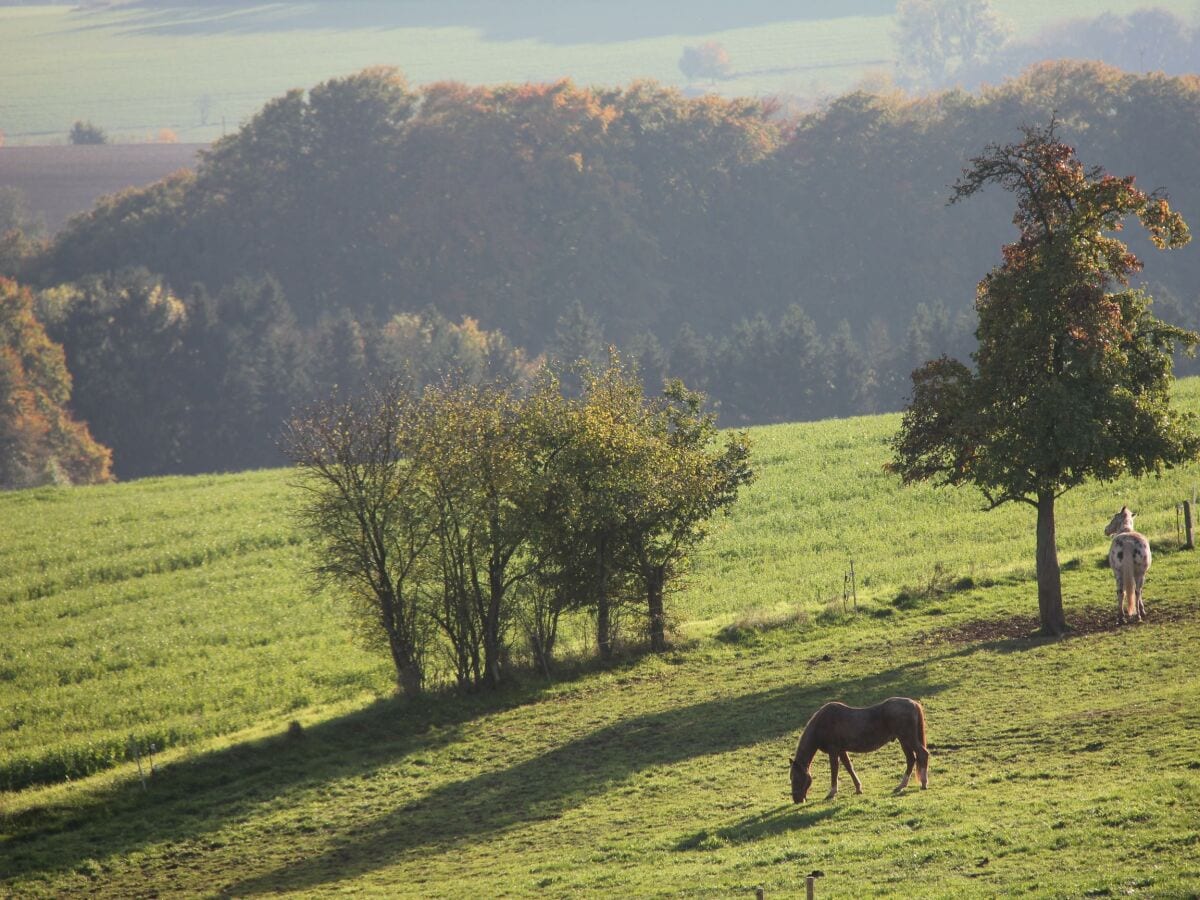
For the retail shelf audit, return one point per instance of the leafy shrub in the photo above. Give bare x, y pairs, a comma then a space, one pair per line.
86, 133
940, 583
749, 624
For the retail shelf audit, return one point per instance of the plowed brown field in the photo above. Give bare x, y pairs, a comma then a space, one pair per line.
59, 181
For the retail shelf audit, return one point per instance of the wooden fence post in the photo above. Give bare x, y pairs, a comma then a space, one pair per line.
1190, 540
759, 894
136, 752
810, 885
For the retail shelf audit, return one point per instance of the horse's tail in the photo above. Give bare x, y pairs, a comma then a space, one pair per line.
1128, 590
1128, 555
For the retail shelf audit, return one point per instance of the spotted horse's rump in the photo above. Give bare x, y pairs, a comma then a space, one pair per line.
1129, 558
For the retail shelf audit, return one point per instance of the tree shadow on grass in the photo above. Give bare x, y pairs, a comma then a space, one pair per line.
196, 794
781, 819
192, 798
549, 785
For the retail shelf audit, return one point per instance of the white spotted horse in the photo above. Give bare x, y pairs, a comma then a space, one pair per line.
1129, 557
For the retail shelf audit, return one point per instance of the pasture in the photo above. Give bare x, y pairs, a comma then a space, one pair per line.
202, 69
176, 612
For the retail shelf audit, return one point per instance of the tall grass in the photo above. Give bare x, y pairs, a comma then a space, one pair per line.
1059, 768
163, 611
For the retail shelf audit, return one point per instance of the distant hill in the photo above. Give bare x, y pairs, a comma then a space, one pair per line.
200, 69
58, 182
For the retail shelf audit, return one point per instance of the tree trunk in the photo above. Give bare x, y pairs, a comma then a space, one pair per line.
1049, 579
658, 620
604, 642
409, 679
543, 632
404, 653
492, 644
408, 670
603, 627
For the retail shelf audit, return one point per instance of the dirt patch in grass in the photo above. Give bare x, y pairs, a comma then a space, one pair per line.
1092, 620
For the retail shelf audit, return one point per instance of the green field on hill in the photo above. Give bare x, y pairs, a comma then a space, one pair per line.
201, 69
177, 612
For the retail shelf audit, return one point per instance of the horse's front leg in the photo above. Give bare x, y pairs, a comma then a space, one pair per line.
833, 763
853, 775
922, 765
911, 757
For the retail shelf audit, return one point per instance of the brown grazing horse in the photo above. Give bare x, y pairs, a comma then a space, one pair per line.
838, 729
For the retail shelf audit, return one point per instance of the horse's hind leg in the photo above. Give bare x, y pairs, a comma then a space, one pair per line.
853, 775
1141, 607
1120, 601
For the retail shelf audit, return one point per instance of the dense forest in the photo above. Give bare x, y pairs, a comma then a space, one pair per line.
791, 266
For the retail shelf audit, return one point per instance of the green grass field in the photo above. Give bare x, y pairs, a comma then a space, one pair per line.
176, 611
200, 70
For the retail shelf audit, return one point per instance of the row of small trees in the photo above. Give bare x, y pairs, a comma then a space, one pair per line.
963, 43
463, 517
199, 382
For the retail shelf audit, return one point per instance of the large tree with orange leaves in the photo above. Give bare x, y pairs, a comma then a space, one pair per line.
39, 441
1072, 376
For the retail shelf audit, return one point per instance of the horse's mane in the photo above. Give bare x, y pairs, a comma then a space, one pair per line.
808, 736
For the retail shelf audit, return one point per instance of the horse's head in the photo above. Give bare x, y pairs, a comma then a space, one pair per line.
1121, 522
801, 782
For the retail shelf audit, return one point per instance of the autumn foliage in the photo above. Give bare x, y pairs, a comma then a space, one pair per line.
792, 265
1073, 372
40, 442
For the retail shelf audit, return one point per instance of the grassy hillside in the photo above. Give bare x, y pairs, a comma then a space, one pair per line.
201, 69
175, 611
164, 610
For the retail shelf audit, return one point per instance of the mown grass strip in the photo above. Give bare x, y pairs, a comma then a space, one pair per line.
157, 565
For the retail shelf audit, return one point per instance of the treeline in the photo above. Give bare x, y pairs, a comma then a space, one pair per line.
951, 43
786, 369
205, 381
201, 382
1151, 39
461, 521
792, 267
